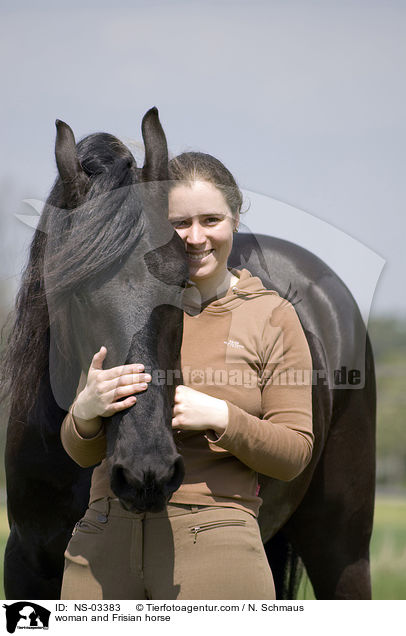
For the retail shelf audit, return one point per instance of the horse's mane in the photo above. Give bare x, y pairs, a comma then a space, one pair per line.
68, 249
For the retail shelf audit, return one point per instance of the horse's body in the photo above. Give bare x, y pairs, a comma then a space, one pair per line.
325, 513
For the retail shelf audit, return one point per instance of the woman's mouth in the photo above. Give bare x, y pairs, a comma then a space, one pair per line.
199, 257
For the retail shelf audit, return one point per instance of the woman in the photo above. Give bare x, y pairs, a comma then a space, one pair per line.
240, 411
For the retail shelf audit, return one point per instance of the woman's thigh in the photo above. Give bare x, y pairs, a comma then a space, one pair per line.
98, 562
217, 554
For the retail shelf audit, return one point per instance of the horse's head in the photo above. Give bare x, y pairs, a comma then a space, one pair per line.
115, 271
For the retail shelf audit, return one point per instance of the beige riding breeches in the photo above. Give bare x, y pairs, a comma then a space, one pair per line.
185, 552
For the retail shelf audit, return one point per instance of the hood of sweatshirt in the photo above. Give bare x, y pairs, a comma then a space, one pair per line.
247, 287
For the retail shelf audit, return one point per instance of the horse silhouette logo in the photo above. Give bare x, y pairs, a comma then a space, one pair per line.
26, 615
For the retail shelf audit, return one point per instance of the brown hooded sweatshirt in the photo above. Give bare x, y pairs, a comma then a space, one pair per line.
247, 348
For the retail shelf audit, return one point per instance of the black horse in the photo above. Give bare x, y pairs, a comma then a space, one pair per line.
105, 267
324, 516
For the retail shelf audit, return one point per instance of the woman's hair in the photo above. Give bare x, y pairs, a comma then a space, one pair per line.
199, 166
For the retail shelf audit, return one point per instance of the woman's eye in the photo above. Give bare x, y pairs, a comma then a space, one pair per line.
211, 220
179, 224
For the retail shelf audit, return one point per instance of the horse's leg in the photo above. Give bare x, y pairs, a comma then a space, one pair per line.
332, 527
22, 579
285, 565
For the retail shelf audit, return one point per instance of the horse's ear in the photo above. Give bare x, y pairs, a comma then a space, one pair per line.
74, 178
156, 149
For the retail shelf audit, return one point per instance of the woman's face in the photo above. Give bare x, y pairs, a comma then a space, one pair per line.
200, 215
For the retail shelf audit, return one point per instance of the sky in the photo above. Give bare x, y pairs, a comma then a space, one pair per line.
303, 101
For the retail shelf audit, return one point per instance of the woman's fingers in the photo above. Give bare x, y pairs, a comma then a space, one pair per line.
123, 391
125, 369
116, 407
126, 384
110, 390
98, 358
177, 409
125, 380
114, 372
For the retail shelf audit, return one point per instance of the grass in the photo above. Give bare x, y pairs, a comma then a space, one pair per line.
388, 551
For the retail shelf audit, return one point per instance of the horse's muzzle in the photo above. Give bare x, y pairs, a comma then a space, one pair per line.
148, 489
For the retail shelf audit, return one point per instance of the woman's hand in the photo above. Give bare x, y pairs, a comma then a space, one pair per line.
196, 411
104, 387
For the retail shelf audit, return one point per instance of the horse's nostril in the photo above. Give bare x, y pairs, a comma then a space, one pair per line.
117, 476
121, 481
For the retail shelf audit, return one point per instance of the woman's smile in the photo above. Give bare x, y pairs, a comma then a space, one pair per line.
197, 257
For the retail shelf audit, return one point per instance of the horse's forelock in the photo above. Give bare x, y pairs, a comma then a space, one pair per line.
98, 152
106, 224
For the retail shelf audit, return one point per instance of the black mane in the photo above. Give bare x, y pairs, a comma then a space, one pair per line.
69, 248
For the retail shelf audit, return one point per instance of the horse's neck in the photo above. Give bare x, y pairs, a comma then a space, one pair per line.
43, 416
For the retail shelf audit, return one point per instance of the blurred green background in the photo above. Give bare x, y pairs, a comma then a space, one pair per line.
388, 546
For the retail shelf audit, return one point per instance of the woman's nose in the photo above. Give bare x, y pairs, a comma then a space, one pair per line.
196, 235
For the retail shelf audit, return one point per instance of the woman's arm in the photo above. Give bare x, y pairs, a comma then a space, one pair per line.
99, 395
85, 451
280, 443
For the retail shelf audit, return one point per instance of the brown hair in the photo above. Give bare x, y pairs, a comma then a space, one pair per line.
199, 166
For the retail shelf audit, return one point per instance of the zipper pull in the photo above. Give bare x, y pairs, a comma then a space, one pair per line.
195, 530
